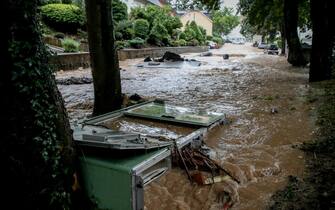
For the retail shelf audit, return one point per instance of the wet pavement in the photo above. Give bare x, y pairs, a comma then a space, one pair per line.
263, 96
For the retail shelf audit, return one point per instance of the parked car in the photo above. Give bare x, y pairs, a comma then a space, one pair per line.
272, 49
227, 41
255, 44
237, 40
212, 45
262, 45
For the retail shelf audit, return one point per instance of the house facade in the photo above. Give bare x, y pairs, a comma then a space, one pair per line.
200, 19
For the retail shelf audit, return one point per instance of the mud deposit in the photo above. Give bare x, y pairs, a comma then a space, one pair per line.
264, 97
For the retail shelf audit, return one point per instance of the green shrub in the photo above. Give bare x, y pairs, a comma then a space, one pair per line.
118, 35
121, 44
141, 28
200, 33
82, 34
189, 34
176, 33
159, 35
182, 35
171, 23
125, 28
44, 2
180, 42
63, 17
209, 38
193, 42
175, 43
162, 26
193, 31
70, 45
279, 43
120, 10
136, 43
138, 13
154, 15
217, 40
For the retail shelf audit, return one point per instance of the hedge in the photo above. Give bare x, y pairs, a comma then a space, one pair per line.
63, 17
141, 28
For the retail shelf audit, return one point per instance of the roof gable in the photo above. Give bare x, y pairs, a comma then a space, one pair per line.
195, 11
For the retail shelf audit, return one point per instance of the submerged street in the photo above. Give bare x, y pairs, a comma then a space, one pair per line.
266, 100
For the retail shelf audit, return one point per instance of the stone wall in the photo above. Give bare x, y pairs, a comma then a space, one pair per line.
157, 51
70, 61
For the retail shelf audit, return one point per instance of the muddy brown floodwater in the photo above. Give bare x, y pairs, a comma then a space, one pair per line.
264, 97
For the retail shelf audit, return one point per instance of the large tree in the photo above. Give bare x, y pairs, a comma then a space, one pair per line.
269, 16
36, 140
104, 59
323, 23
291, 15
264, 17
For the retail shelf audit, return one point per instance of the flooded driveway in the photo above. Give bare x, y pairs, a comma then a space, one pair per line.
263, 96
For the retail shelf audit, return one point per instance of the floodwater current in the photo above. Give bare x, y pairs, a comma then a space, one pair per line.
266, 100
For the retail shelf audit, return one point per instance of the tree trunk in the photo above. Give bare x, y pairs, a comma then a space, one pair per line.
283, 39
36, 142
323, 39
295, 55
105, 64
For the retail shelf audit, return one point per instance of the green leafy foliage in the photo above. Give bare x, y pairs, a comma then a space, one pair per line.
193, 32
200, 33
171, 23
217, 40
137, 43
193, 42
138, 13
37, 173
119, 10
224, 21
264, 16
182, 35
63, 17
178, 43
159, 35
125, 28
195, 4
182, 42
162, 25
70, 45
141, 28
121, 44
44, 2
189, 33
118, 35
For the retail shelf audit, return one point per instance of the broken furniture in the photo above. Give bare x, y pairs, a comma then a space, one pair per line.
124, 150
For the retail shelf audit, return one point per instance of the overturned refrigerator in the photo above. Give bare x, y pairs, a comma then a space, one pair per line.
125, 150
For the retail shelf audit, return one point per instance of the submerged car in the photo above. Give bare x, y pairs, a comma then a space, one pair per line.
272, 49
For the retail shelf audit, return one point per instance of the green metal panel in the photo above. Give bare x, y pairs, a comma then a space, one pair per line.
108, 180
110, 189
164, 112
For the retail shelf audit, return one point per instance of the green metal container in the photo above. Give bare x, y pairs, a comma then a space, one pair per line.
117, 183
